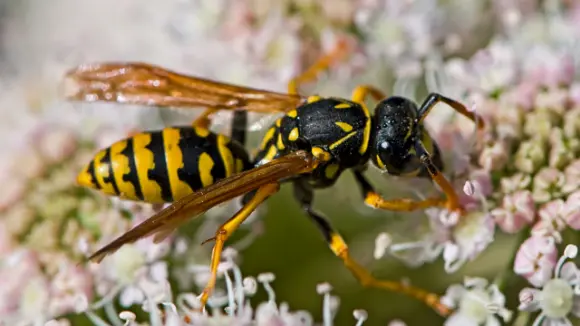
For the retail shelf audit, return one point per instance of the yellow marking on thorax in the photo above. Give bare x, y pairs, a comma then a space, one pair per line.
294, 134
201, 132
344, 126
278, 122
144, 161
331, 170
343, 106
272, 151
312, 99
267, 137
205, 165
102, 172
280, 142
121, 167
292, 114
321, 154
174, 162
367, 131
342, 140
226, 154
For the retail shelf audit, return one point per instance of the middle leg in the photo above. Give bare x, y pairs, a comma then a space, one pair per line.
226, 230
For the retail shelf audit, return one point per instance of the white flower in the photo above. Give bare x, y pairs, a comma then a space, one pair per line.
468, 238
477, 303
559, 297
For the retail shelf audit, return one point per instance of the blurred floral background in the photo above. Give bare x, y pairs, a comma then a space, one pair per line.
510, 261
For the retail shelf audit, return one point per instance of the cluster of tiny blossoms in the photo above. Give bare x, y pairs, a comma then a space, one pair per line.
519, 175
228, 307
49, 225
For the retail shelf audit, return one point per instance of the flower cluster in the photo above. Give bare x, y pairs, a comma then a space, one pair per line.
520, 175
163, 310
522, 170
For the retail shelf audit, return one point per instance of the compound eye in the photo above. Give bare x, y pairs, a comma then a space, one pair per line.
385, 148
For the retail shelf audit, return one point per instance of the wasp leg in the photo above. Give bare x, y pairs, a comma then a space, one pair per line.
239, 126
203, 121
321, 64
360, 93
373, 199
226, 230
304, 195
452, 202
435, 98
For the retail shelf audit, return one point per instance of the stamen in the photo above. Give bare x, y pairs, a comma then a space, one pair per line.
112, 314
571, 251
128, 317
539, 320
324, 289
96, 320
265, 279
250, 285
559, 265
240, 291
154, 316
106, 298
193, 304
382, 242
188, 302
360, 316
230, 292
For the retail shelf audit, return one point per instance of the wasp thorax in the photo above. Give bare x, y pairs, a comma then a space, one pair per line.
394, 132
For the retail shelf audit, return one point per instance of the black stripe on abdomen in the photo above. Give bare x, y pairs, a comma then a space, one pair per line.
192, 146
132, 176
159, 171
106, 160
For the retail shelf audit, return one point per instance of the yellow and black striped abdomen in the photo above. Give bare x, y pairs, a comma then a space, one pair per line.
165, 165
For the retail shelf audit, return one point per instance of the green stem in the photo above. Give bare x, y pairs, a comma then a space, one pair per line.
504, 281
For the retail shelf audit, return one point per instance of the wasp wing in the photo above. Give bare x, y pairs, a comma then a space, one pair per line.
198, 202
145, 84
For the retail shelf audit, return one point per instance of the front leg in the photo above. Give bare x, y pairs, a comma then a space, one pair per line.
452, 202
373, 199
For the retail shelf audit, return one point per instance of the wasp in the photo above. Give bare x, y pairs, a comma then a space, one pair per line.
310, 146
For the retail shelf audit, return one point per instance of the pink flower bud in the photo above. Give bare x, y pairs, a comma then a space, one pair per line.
517, 211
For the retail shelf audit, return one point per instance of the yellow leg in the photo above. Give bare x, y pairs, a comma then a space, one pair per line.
452, 202
340, 249
304, 194
226, 230
204, 121
320, 65
361, 92
373, 199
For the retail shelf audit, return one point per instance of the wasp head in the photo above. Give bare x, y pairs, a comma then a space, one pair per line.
395, 130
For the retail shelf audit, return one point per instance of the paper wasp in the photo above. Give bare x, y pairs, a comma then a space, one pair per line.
310, 146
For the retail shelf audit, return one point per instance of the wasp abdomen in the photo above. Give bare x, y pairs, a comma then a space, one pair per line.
165, 165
